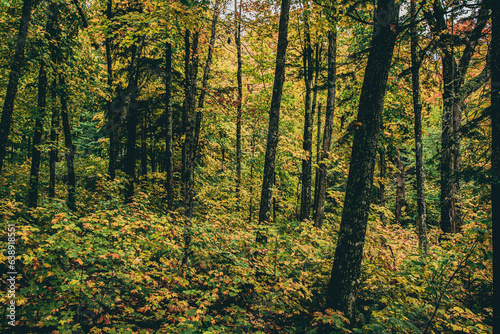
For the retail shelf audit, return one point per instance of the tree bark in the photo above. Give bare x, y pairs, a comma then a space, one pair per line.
274, 116
131, 112
237, 39
449, 217
37, 136
419, 154
495, 153
144, 145
327, 137
206, 73
189, 130
41, 110
400, 189
341, 292
113, 112
305, 199
70, 148
15, 74
169, 162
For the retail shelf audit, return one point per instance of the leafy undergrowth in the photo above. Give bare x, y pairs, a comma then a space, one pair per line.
114, 268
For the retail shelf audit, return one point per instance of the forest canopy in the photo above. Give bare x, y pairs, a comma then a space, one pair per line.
249, 166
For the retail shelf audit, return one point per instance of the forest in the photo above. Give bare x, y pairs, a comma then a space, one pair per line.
249, 166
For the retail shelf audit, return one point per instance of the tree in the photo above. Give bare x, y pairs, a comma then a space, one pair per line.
305, 202
169, 161
341, 291
113, 115
41, 110
131, 117
188, 149
419, 155
328, 131
206, 73
237, 38
495, 152
15, 73
274, 116
442, 25
37, 136
68, 143
400, 189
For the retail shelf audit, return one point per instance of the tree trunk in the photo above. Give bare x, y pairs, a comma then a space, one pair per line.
453, 79
314, 102
144, 146
130, 110
37, 137
495, 154
206, 72
341, 292
113, 112
400, 189
274, 115
250, 209
419, 155
15, 73
53, 142
305, 199
152, 153
237, 39
42, 103
383, 175
447, 198
318, 127
318, 141
70, 148
189, 127
327, 137
169, 162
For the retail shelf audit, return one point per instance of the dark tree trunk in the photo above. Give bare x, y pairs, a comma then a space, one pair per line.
274, 116
131, 112
400, 189
318, 127
53, 142
144, 146
313, 106
318, 142
495, 154
37, 137
206, 73
240, 96
169, 162
449, 216
152, 153
70, 148
419, 154
327, 137
15, 73
383, 175
113, 112
341, 292
187, 55
189, 130
453, 79
305, 199
250, 209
